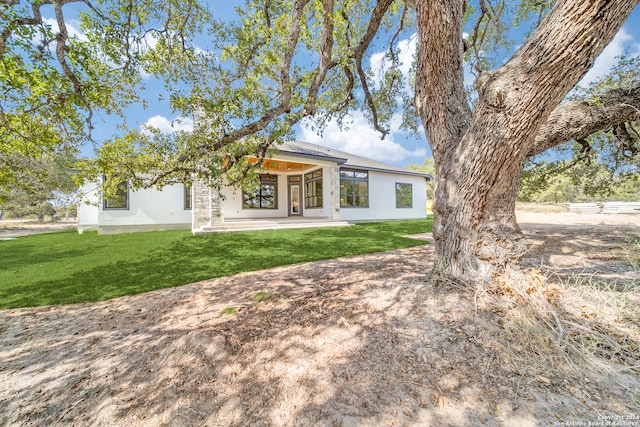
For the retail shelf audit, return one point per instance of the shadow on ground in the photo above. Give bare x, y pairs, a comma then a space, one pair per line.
605, 254
356, 341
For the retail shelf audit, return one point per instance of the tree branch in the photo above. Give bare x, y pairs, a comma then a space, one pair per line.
6, 32
292, 42
376, 18
626, 143
326, 63
577, 119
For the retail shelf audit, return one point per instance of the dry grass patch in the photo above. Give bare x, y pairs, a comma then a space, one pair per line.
568, 332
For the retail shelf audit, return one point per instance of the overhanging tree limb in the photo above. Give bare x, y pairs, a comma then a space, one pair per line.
291, 113
579, 118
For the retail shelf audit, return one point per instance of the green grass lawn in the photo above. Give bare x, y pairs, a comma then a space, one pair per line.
67, 267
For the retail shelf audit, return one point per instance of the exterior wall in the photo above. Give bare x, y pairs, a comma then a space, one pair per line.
201, 209
149, 209
87, 209
382, 199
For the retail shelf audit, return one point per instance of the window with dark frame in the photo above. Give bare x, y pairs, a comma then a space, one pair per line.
265, 196
313, 189
187, 197
120, 200
354, 188
404, 195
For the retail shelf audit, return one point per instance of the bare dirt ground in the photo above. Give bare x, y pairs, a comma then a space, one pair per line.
357, 341
20, 229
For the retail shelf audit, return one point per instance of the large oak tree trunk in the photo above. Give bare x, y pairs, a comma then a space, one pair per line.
478, 156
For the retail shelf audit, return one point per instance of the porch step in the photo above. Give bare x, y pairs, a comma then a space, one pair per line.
255, 225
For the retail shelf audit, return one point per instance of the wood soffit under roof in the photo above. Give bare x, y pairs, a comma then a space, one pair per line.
283, 166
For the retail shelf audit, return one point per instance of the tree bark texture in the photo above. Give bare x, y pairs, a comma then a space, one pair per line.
478, 156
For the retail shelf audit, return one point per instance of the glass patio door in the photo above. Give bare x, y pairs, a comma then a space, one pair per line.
295, 195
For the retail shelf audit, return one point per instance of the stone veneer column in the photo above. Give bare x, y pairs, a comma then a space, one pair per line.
334, 193
206, 209
215, 201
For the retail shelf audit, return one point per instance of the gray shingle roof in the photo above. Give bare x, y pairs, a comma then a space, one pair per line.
308, 150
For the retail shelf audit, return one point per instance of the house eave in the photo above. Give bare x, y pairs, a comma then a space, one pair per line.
390, 171
338, 160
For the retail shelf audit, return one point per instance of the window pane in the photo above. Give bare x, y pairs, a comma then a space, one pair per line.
120, 200
404, 195
346, 188
354, 188
187, 196
346, 193
265, 196
268, 199
250, 200
361, 188
346, 200
313, 189
362, 193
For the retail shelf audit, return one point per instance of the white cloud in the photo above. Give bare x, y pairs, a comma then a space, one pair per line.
362, 140
378, 65
149, 41
396, 123
469, 78
406, 54
167, 126
73, 28
406, 50
608, 58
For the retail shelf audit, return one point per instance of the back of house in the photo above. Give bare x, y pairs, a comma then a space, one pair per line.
303, 182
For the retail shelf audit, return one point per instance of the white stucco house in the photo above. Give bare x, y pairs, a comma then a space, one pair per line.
304, 185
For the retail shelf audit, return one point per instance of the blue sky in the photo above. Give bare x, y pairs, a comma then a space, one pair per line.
398, 148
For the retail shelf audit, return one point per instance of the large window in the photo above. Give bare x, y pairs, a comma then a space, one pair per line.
313, 189
404, 195
265, 196
354, 188
120, 200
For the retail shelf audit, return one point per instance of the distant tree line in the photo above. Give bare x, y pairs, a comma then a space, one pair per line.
43, 186
565, 181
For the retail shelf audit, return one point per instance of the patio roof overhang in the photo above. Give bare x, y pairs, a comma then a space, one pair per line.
275, 165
